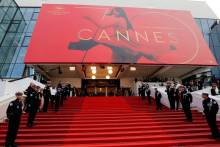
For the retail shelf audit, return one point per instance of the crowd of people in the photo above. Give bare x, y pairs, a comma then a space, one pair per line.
179, 94
191, 84
199, 84
36, 99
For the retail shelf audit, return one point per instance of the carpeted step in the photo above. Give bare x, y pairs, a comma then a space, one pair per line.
111, 122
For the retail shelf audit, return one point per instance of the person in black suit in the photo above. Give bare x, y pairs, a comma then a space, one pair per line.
14, 112
210, 110
58, 97
214, 89
171, 95
148, 91
33, 103
143, 91
186, 100
158, 97
47, 97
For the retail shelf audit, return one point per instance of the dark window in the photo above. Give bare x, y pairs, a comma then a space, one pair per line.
34, 16
215, 39
18, 70
26, 41
205, 26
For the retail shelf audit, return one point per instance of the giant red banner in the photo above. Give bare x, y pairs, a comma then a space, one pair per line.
102, 34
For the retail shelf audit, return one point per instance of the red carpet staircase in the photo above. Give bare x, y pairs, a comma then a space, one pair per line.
112, 122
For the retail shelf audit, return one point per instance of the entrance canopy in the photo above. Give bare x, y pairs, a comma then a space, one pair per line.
79, 34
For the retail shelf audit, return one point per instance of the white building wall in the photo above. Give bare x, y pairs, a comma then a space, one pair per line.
199, 9
10, 88
2, 87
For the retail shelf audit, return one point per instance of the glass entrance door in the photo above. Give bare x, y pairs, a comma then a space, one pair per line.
100, 87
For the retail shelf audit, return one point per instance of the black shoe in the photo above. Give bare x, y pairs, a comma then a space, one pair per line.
189, 120
29, 125
8, 145
15, 145
216, 137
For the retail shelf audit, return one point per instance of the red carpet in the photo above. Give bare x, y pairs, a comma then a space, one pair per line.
112, 122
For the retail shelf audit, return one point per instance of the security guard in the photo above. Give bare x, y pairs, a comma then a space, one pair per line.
171, 95
58, 97
177, 97
186, 100
158, 97
33, 103
148, 91
63, 97
14, 113
143, 91
47, 96
211, 109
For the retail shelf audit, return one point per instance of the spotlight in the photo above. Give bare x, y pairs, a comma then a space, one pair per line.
109, 67
107, 77
132, 68
93, 67
110, 71
72, 68
93, 77
94, 71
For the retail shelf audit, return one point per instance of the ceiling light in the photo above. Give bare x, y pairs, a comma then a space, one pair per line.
94, 71
109, 67
93, 67
93, 77
72, 68
110, 71
132, 68
107, 77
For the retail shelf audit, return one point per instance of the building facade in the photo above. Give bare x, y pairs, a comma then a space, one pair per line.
18, 22
12, 25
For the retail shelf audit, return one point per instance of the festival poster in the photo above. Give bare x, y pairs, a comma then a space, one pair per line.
81, 34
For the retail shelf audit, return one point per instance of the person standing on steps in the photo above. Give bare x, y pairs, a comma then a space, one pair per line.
63, 97
143, 91
177, 97
158, 97
58, 97
210, 110
47, 96
148, 91
139, 90
170, 93
33, 103
53, 92
68, 90
14, 112
186, 100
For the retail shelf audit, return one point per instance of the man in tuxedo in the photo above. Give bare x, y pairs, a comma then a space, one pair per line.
186, 100
158, 97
